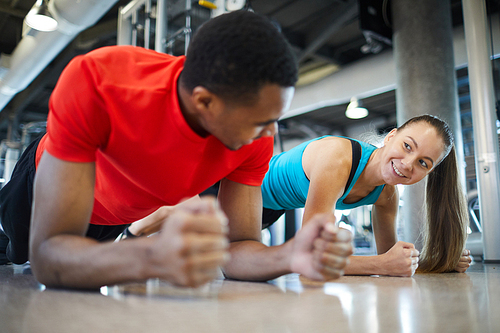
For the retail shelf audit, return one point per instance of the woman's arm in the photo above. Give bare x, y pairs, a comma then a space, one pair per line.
384, 215
319, 251
327, 165
400, 260
394, 258
328, 168
154, 221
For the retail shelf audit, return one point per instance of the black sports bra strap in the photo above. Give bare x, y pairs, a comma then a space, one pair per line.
356, 156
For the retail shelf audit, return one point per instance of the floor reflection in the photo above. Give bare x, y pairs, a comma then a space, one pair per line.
368, 304
160, 288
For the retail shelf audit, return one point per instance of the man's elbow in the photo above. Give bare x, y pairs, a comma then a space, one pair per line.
41, 267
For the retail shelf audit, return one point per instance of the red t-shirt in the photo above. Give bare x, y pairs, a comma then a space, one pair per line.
118, 106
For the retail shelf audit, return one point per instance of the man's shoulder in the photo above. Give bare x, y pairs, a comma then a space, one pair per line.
127, 66
126, 51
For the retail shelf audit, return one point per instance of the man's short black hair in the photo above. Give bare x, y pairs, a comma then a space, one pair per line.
233, 55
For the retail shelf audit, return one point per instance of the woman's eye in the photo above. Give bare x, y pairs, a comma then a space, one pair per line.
407, 146
423, 163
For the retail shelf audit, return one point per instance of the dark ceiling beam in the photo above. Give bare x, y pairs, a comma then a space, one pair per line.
312, 18
350, 12
323, 57
101, 31
10, 33
3, 21
34, 110
13, 11
281, 7
295, 39
14, 3
344, 53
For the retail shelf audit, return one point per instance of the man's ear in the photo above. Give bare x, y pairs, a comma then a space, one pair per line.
205, 101
390, 135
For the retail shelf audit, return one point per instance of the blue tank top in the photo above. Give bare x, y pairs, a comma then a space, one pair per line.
285, 185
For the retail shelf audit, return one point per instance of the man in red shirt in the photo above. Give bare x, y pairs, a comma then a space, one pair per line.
131, 130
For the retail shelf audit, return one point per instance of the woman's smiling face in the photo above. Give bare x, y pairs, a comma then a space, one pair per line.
411, 153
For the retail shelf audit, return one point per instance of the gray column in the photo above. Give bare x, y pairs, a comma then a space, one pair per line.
426, 84
161, 26
483, 120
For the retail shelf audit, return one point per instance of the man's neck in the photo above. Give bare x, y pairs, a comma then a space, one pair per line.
189, 112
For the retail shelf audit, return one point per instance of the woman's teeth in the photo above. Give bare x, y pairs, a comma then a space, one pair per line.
397, 171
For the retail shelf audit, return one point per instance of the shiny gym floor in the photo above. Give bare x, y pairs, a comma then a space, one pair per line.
467, 302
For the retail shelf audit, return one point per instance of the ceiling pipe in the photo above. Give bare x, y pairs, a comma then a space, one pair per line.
37, 49
350, 12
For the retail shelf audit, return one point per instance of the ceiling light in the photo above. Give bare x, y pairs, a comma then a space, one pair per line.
355, 109
40, 18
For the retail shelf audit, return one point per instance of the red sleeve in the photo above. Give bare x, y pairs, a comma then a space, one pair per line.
252, 171
78, 123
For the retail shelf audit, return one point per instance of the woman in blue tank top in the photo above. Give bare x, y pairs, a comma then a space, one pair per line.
331, 173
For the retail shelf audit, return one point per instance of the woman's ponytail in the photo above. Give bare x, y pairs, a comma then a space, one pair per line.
447, 220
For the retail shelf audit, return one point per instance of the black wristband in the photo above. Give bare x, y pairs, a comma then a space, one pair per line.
128, 234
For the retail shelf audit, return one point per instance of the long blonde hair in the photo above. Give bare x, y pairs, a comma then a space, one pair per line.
445, 229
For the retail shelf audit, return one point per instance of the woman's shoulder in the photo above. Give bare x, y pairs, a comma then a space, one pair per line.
333, 144
332, 153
